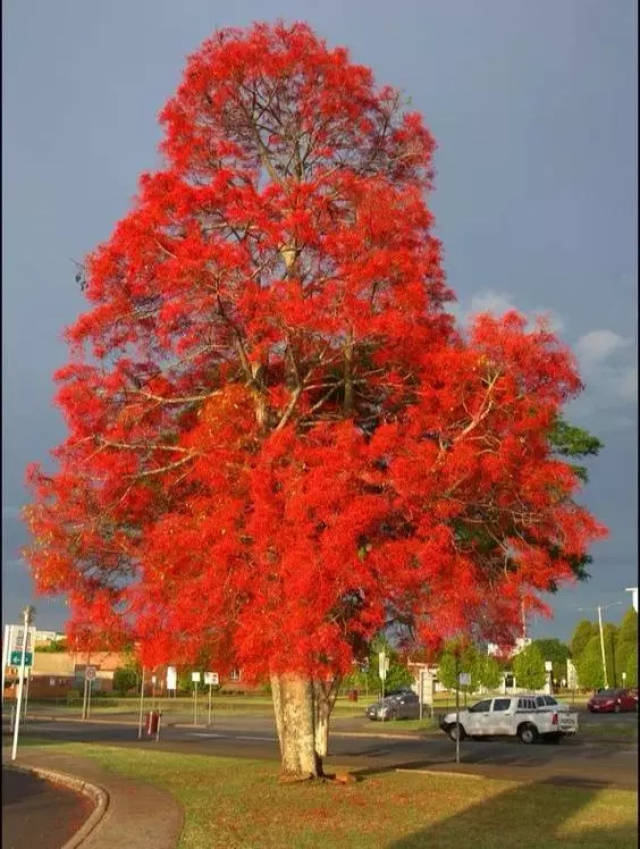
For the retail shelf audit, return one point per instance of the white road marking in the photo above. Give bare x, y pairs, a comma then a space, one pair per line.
204, 734
243, 737
230, 736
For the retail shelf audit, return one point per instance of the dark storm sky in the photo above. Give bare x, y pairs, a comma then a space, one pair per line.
533, 105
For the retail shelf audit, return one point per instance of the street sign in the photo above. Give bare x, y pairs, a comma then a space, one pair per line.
89, 673
172, 678
195, 677
15, 658
211, 678
464, 679
15, 639
548, 666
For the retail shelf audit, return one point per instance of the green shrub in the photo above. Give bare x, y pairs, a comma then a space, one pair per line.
74, 697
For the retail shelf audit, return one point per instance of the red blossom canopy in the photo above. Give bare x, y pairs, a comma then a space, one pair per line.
278, 442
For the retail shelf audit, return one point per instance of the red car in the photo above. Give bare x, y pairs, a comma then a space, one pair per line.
605, 701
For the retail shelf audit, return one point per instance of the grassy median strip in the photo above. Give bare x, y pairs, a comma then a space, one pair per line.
239, 804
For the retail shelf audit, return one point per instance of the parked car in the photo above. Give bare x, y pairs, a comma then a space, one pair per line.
400, 704
612, 701
511, 716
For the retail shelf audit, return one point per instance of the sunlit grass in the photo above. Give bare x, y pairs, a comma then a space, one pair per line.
232, 803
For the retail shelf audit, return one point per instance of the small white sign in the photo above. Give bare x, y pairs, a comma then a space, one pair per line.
195, 677
464, 679
211, 678
172, 678
89, 673
153, 679
548, 666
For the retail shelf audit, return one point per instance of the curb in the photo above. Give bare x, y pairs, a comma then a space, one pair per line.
442, 772
98, 796
89, 721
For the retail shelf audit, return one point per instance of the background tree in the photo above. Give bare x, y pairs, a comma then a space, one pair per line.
629, 663
557, 652
125, 679
582, 633
528, 668
589, 665
488, 672
456, 658
610, 638
366, 677
54, 646
626, 652
278, 443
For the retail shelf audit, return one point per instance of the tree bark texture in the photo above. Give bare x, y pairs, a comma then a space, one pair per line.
325, 693
293, 704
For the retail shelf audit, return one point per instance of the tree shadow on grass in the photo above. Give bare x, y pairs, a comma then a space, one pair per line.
529, 815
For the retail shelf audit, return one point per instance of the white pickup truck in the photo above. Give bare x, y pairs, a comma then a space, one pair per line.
511, 716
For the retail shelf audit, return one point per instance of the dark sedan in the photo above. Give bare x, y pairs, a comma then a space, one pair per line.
401, 705
611, 701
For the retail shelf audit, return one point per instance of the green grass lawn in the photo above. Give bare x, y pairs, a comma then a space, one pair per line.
620, 731
183, 706
239, 804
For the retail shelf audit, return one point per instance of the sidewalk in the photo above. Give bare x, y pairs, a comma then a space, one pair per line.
137, 815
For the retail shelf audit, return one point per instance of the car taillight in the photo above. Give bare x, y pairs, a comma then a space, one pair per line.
554, 719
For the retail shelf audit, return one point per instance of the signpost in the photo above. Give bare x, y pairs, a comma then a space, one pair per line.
26, 693
141, 704
153, 691
89, 678
195, 678
28, 616
211, 678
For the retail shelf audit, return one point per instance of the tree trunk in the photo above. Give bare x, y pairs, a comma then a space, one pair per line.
293, 705
325, 693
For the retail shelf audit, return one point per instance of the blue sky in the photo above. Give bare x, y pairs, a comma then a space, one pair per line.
533, 106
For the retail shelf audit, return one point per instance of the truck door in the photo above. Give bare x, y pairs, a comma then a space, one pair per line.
477, 719
501, 720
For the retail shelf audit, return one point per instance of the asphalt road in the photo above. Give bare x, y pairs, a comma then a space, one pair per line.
573, 761
37, 813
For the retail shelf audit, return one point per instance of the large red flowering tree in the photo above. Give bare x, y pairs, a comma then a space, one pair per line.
278, 442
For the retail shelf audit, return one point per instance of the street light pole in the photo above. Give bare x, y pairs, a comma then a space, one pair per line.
604, 656
600, 608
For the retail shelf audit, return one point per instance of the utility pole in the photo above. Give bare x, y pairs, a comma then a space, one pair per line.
27, 614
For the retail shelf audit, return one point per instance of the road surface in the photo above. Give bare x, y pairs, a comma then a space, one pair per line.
576, 761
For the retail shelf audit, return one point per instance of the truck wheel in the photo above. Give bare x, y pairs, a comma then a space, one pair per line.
456, 732
528, 733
